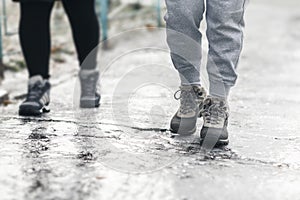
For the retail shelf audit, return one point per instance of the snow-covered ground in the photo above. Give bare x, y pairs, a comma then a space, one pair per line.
124, 149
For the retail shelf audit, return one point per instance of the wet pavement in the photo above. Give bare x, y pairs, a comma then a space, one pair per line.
124, 149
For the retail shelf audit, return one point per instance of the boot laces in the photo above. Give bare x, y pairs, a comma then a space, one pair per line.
187, 100
34, 92
214, 112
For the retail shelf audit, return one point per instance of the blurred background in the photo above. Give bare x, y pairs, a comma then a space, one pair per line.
115, 16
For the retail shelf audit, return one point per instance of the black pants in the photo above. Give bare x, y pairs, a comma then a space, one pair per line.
35, 33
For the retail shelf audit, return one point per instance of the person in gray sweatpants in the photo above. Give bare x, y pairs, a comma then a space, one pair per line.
225, 23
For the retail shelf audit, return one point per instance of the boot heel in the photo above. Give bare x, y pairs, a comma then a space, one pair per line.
46, 109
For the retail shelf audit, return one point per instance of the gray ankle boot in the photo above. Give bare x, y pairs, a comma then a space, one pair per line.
90, 97
215, 116
191, 101
38, 97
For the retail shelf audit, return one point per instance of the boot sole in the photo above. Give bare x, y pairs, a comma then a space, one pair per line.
219, 143
89, 104
186, 132
33, 112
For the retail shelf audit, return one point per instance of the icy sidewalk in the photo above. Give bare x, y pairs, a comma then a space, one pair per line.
115, 154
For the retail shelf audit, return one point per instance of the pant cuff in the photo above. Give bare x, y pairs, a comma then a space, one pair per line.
219, 90
189, 78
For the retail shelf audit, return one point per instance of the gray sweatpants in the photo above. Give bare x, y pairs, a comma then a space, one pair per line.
225, 23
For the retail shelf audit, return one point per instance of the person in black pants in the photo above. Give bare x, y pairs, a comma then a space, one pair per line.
34, 31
